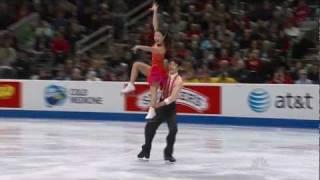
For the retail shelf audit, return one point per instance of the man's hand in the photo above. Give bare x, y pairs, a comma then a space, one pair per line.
160, 104
157, 106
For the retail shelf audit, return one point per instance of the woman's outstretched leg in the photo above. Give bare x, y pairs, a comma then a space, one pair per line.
136, 68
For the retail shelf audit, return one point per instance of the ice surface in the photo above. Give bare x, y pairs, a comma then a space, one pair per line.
91, 150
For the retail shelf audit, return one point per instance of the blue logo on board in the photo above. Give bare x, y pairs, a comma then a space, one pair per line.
259, 100
55, 95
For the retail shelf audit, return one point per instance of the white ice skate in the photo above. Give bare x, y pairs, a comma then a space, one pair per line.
151, 113
129, 88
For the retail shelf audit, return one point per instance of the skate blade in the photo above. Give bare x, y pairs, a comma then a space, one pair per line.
169, 162
143, 159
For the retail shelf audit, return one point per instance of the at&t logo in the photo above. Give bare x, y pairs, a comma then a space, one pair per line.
259, 100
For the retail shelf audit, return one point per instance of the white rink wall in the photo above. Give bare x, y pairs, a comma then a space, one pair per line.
237, 104
271, 101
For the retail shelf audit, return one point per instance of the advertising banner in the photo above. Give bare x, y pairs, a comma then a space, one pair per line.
271, 101
192, 99
10, 94
73, 96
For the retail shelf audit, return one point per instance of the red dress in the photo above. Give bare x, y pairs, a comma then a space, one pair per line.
158, 73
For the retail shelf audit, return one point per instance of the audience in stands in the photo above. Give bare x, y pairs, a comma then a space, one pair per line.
260, 43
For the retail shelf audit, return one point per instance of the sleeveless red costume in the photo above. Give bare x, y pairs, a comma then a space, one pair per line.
158, 73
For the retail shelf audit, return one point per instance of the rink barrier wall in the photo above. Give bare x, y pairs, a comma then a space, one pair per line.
295, 106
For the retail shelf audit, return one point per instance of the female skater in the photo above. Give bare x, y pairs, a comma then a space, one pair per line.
156, 73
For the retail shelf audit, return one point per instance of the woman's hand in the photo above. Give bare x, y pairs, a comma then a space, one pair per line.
135, 48
154, 7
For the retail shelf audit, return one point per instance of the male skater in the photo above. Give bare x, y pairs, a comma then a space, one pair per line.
166, 111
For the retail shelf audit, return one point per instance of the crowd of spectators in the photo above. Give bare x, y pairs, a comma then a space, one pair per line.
259, 43
51, 52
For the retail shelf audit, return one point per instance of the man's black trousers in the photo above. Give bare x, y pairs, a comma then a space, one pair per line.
167, 114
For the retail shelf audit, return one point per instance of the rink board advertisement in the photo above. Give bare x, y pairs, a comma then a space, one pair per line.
192, 100
10, 94
271, 101
234, 104
77, 96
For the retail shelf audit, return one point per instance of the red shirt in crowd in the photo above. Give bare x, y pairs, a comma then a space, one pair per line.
193, 32
281, 78
254, 64
60, 45
301, 13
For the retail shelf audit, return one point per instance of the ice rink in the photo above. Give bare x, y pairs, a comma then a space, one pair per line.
105, 150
